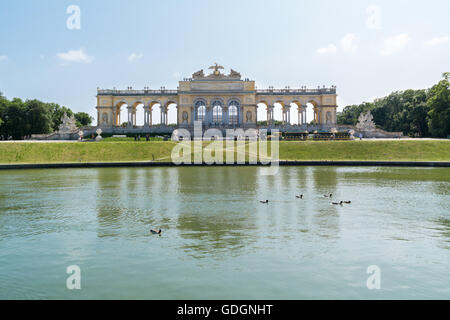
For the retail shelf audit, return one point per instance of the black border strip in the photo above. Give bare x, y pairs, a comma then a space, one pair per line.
171, 164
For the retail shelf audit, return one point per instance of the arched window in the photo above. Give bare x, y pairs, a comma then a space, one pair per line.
217, 111
201, 110
233, 112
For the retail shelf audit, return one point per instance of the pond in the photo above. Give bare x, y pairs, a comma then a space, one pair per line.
218, 241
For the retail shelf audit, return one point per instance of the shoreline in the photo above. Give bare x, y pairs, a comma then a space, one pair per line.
62, 165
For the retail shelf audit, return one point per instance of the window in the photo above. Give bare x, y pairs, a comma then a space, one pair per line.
233, 112
201, 110
217, 111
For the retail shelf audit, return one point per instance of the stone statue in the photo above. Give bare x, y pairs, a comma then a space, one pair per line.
234, 74
249, 116
67, 124
185, 117
216, 68
198, 74
365, 122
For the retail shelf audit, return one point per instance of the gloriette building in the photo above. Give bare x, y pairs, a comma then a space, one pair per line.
218, 100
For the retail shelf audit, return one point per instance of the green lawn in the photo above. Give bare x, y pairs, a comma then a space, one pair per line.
375, 150
381, 150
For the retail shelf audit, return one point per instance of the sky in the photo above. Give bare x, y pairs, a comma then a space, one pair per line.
61, 51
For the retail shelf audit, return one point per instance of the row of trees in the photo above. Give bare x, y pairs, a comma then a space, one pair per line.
20, 119
417, 113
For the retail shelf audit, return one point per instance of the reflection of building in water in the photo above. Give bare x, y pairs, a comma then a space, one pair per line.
217, 100
217, 227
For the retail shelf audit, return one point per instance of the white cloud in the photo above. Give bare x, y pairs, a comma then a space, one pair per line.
348, 42
437, 41
331, 48
3, 58
373, 21
77, 56
394, 44
135, 56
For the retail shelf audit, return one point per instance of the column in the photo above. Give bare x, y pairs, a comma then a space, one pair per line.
130, 116
225, 116
272, 115
208, 116
289, 120
146, 116
114, 119
150, 116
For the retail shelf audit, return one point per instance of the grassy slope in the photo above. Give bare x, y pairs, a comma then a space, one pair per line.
381, 150
414, 150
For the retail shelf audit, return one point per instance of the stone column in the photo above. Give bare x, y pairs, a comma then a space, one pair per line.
225, 116
150, 116
240, 115
208, 115
130, 116
192, 119
146, 116
288, 114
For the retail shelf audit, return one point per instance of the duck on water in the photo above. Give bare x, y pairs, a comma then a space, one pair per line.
155, 232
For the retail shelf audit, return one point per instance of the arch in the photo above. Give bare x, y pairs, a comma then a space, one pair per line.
234, 108
151, 110
200, 110
217, 110
217, 100
171, 116
137, 102
151, 103
138, 112
312, 110
262, 111
155, 113
234, 99
120, 114
278, 107
233, 114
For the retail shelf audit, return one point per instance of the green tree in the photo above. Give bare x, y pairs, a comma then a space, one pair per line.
439, 104
83, 119
39, 117
15, 120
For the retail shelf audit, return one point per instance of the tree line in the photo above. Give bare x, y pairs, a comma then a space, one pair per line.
20, 119
416, 113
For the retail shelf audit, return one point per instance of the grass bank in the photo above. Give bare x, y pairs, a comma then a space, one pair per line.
69, 152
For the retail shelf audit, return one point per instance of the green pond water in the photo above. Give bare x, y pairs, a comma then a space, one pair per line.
218, 241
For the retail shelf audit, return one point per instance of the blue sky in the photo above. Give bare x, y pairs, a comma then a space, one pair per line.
366, 48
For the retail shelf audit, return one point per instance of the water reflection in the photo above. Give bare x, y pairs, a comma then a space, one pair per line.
213, 224
218, 212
